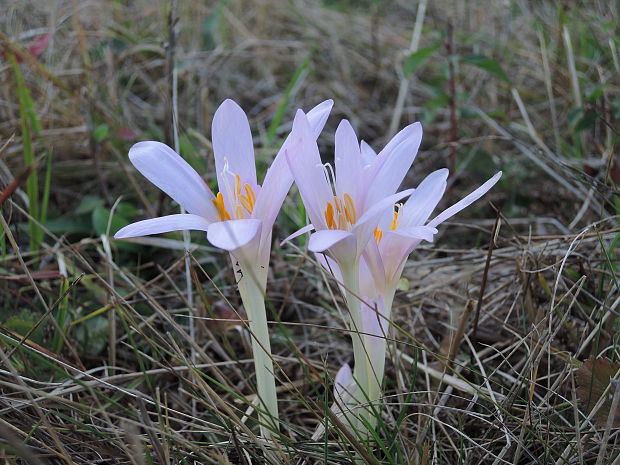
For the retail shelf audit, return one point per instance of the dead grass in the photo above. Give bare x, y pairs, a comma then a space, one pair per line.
97, 361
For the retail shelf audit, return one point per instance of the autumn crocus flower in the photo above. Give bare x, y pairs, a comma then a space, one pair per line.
238, 219
345, 204
402, 228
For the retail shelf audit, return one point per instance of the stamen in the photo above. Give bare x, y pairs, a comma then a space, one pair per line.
342, 221
218, 202
239, 212
378, 235
349, 209
237, 185
250, 195
330, 180
394, 223
246, 203
329, 216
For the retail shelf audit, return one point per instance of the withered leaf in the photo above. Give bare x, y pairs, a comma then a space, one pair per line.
594, 377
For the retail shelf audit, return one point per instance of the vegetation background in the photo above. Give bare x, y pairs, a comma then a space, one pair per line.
99, 361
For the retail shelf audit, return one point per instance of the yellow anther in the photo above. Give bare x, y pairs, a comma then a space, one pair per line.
237, 185
378, 235
394, 223
239, 212
246, 203
349, 209
329, 216
218, 202
250, 195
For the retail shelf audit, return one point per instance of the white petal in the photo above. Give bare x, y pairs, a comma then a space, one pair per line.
279, 178
366, 225
466, 201
341, 245
420, 205
344, 385
348, 161
232, 145
164, 224
233, 234
391, 165
368, 154
167, 170
317, 117
298, 233
305, 163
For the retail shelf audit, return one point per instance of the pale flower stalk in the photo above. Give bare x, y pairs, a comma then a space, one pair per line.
238, 219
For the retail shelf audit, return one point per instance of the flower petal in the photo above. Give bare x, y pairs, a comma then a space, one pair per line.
395, 247
317, 117
420, 205
342, 245
298, 233
167, 170
344, 385
179, 222
372, 270
368, 154
466, 201
391, 165
331, 266
233, 234
279, 178
305, 163
348, 161
366, 225
232, 145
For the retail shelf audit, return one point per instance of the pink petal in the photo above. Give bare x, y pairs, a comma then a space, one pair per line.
466, 201
368, 154
366, 225
395, 247
317, 117
420, 205
279, 178
233, 234
167, 170
305, 163
344, 384
164, 224
348, 162
390, 167
298, 233
330, 265
232, 145
372, 270
342, 245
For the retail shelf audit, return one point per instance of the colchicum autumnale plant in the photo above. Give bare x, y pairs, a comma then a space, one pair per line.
397, 234
238, 219
345, 207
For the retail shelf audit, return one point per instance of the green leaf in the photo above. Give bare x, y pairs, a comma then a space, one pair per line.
72, 225
486, 63
100, 219
416, 59
101, 132
89, 203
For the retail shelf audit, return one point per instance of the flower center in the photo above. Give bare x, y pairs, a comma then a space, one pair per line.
340, 213
242, 199
378, 233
